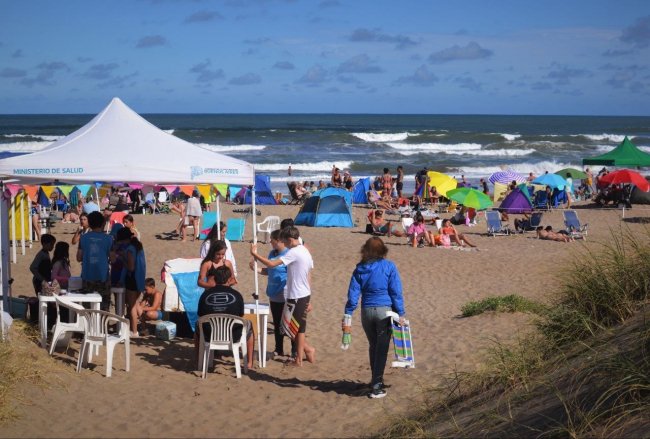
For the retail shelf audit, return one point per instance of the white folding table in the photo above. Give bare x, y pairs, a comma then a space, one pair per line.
93, 298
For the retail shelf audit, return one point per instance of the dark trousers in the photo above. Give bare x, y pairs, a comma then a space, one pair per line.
276, 314
378, 331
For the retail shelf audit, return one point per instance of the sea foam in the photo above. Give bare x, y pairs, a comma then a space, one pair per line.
509, 137
537, 168
318, 166
435, 147
382, 137
231, 148
23, 147
617, 138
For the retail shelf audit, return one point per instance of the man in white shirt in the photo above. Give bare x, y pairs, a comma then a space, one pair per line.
298, 291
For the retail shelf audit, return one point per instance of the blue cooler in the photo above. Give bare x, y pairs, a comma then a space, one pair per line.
166, 330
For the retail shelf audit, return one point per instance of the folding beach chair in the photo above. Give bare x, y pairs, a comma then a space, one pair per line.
402, 342
532, 224
541, 200
236, 227
208, 219
573, 226
494, 226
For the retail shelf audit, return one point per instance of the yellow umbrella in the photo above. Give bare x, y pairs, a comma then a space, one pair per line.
442, 182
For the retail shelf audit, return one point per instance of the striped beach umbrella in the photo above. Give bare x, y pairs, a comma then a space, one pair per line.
506, 177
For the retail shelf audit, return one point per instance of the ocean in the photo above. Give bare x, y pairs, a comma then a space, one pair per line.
470, 145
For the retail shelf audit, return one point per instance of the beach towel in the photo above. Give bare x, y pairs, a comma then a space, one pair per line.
289, 325
189, 293
403, 346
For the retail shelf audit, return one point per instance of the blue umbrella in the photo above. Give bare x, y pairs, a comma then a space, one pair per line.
552, 180
506, 177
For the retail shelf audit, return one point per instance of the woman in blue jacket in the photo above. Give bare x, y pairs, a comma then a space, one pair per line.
378, 283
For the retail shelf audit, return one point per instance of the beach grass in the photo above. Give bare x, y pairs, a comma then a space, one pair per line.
509, 303
583, 371
22, 363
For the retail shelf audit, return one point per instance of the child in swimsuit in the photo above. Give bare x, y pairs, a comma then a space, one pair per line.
149, 308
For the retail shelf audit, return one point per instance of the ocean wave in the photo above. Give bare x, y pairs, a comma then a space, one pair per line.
383, 137
435, 147
20, 147
616, 138
509, 137
231, 148
33, 136
318, 166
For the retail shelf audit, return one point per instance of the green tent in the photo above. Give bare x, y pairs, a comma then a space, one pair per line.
625, 154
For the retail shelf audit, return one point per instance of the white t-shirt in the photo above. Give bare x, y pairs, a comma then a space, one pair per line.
193, 207
230, 256
299, 263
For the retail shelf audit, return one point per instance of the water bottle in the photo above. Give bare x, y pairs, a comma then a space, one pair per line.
347, 332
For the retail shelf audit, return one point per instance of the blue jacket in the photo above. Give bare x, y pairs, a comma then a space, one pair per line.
378, 283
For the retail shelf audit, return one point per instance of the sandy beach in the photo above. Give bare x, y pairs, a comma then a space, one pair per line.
325, 399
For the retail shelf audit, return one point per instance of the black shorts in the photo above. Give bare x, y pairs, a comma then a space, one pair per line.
300, 312
399, 186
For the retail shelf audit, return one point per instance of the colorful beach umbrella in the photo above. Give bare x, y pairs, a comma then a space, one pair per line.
627, 176
575, 173
442, 182
469, 197
506, 177
552, 180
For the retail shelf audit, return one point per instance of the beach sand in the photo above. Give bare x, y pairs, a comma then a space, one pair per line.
163, 396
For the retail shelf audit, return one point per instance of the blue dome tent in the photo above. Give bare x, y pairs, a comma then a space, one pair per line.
360, 191
263, 194
329, 207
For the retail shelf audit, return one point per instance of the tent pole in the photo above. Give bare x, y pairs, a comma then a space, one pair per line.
29, 221
219, 217
256, 294
13, 229
22, 222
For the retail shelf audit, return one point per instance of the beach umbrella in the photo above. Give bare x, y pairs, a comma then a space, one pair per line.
506, 177
469, 197
442, 182
552, 180
627, 176
575, 173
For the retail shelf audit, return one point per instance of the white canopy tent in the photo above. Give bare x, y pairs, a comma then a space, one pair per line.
118, 145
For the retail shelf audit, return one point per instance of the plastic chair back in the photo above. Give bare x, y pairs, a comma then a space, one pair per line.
269, 224
96, 324
221, 326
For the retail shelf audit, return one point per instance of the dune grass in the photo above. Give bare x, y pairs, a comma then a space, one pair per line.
22, 362
510, 303
583, 371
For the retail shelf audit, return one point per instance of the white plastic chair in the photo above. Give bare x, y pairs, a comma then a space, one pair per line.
96, 334
221, 340
62, 328
269, 224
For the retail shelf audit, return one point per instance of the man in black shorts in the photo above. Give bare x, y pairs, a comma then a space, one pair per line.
399, 183
222, 299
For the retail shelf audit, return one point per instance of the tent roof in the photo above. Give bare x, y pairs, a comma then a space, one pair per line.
120, 145
625, 154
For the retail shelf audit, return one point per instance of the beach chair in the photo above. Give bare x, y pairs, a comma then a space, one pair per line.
541, 200
573, 226
61, 328
295, 198
96, 324
236, 228
402, 343
494, 225
532, 224
221, 326
208, 219
269, 224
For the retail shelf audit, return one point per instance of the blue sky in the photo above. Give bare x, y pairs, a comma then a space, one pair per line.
588, 57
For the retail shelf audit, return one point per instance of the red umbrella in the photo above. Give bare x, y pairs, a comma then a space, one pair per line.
627, 176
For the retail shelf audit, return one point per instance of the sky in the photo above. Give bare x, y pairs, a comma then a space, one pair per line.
570, 57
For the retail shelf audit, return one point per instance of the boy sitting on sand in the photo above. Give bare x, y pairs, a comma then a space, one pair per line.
149, 308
